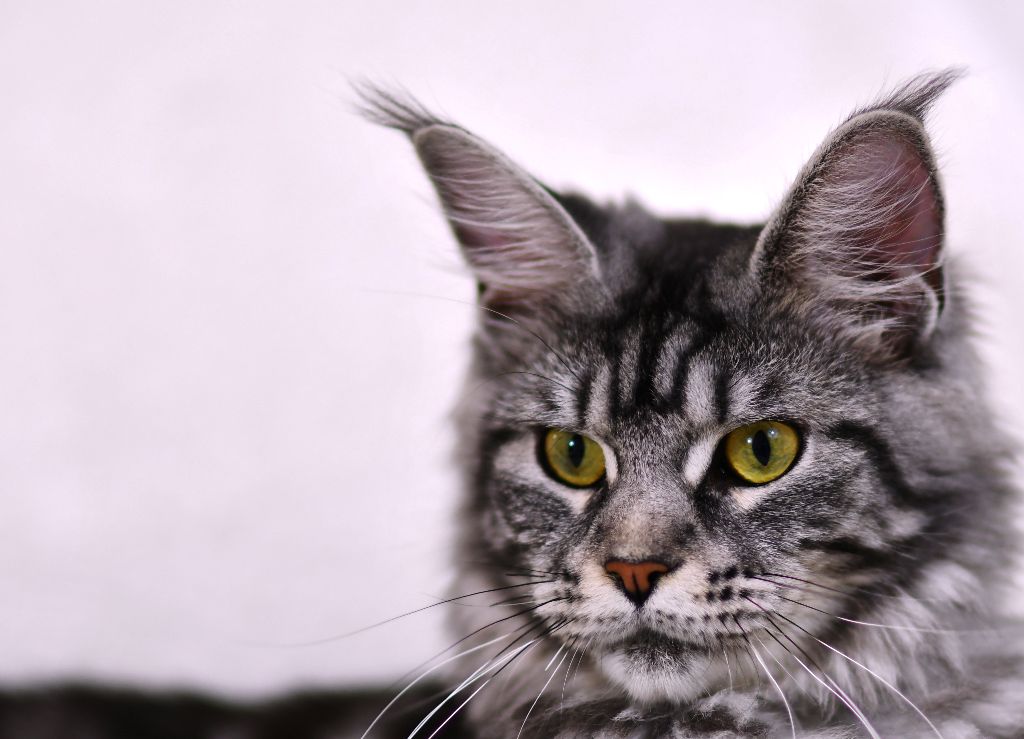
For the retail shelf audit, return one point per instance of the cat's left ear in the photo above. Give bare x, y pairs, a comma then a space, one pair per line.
857, 246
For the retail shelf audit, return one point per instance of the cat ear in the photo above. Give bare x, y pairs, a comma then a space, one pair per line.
858, 243
526, 251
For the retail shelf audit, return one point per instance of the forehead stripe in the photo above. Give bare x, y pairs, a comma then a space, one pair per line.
722, 385
652, 341
583, 393
677, 396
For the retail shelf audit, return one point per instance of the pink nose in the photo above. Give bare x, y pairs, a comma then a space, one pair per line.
637, 579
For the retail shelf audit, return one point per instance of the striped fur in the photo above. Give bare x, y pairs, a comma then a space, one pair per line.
857, 595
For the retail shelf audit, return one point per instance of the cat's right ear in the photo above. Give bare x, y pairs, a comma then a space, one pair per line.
527, 253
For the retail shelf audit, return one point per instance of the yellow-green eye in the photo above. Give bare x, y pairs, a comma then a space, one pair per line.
573, 459
763, 451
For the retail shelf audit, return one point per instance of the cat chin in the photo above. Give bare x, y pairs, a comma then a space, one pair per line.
649, 674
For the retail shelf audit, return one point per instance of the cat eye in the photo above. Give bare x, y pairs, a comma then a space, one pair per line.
572, 459
763, 451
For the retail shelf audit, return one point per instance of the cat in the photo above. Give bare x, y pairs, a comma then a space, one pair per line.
725, 480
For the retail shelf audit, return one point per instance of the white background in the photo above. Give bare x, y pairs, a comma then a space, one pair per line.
223, 394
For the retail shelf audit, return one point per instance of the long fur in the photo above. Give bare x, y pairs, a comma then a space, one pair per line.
851, 597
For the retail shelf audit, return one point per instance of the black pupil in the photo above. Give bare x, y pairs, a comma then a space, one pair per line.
761, 445
576, 447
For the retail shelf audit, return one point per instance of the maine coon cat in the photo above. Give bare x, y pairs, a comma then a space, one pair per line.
724, 480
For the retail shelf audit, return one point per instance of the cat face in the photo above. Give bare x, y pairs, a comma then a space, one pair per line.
659, 387
698, 446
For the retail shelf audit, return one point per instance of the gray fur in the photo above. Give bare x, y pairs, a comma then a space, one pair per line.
862, 585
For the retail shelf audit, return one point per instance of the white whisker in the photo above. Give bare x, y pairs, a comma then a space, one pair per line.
778, 688
891, 627
477, 674
839, 693
537, 699
553, 658
878, 677
438, 666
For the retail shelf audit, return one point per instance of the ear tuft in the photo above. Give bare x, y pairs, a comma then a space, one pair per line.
916, 96
394, 108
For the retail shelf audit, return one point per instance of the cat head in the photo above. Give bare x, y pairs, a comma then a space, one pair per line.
696, 443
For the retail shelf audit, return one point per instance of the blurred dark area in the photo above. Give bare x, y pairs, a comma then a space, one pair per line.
85, 711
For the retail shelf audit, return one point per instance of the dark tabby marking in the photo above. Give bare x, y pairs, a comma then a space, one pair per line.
91, 712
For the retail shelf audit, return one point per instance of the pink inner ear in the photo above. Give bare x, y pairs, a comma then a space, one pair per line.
521, 265
481, 236
903, 235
